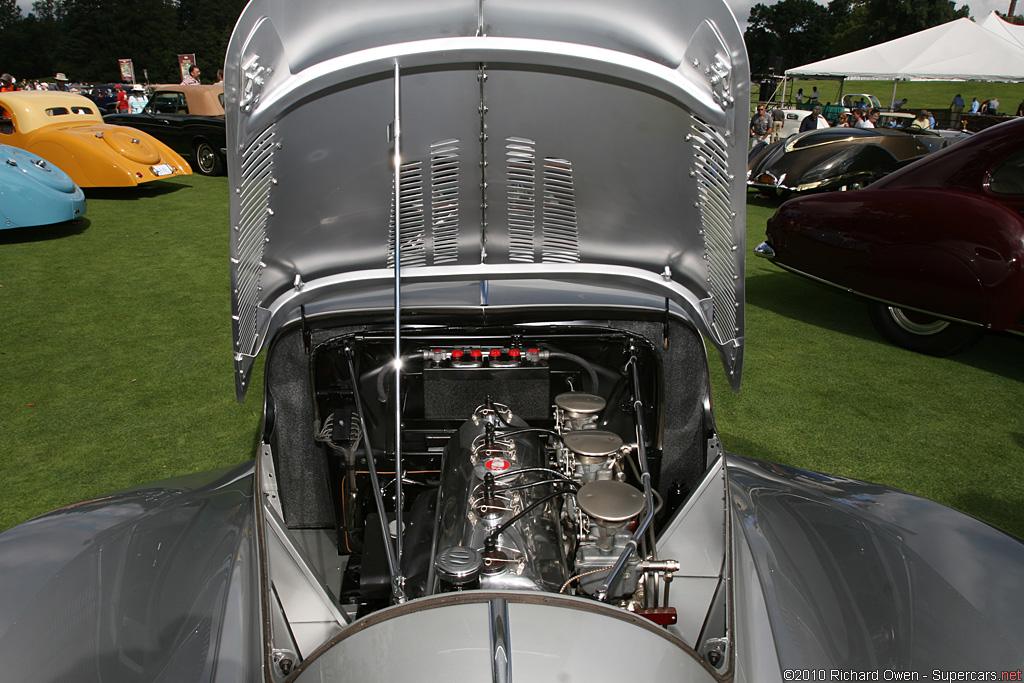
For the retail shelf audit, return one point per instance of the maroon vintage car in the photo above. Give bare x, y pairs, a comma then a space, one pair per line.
936, 246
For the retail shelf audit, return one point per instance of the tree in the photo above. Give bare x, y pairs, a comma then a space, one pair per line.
10, 14
85, 38
802, 31
876, 21
796, 30
205, 27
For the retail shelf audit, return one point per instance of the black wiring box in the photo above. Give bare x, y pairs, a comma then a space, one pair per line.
453, 393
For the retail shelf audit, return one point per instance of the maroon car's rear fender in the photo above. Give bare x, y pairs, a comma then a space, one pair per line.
951, 253
925, 277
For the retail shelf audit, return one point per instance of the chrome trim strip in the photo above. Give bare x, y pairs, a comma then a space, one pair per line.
673, 82
887, 302
501, 652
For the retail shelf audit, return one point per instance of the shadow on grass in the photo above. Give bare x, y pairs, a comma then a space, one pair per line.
42, 233
157, 188
821, 305
797, 298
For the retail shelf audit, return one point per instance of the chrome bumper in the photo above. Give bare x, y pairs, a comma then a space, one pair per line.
764, 250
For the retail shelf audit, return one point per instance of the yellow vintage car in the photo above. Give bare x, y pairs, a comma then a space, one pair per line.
68, 131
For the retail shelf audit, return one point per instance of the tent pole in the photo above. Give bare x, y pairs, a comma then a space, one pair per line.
842, 84
892, 100
782, 101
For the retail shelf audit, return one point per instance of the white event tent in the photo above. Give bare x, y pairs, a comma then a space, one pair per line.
959, 50
1012, 32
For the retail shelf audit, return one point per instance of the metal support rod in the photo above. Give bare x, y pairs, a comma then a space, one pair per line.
645, 478
397, 395
371, 465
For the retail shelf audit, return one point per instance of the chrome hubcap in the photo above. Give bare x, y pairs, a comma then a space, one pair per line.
917, 323
205, 158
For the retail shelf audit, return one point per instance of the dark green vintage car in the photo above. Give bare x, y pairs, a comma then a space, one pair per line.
187, 118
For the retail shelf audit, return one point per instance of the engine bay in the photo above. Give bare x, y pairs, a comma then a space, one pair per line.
542, 458
527, 463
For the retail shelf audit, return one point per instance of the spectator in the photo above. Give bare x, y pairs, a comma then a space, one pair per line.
61, 81
799, 97
122, 99
899, 105
957, 109
814, 120
870, 120
921, 123
137, 100
843, 121
7, 83
760, 125
814, 95
778, 121
220, 76
975, 107
193, 76
1020, 108
992, 107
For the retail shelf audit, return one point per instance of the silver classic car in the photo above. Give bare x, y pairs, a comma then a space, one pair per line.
483, 246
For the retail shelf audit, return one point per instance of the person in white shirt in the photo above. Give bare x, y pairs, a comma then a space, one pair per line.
870, 120
136, 99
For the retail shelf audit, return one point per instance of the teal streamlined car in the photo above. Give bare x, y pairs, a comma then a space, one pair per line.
35, 192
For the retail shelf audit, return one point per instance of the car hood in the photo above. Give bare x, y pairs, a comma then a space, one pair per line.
861, 577
549, 141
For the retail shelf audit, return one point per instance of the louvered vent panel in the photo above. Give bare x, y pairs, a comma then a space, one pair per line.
251, 231
520, 154
711, 157
444, 201
561, 235
410, 184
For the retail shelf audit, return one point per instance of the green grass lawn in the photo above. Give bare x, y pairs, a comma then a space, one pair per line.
115, 368
116, 348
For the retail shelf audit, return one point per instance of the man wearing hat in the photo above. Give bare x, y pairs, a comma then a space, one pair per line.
62, 81
7, 83
122, 99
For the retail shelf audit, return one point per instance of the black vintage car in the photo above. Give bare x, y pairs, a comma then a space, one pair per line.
839, 158
187, 118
